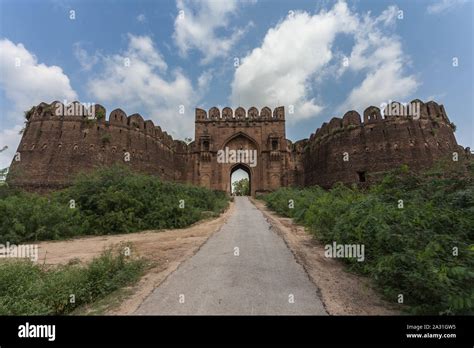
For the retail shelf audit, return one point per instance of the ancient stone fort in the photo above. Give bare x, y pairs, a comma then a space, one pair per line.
56, 146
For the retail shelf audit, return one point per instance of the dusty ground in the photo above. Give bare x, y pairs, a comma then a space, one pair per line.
167, 249
342, 293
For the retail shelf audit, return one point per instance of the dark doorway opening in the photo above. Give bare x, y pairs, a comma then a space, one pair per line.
361, 176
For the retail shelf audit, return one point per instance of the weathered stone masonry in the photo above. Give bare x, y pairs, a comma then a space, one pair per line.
54, 148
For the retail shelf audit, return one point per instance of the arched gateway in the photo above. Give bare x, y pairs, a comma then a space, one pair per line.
253, 141
58, 144
240, 167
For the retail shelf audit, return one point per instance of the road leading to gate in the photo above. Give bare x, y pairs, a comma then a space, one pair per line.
263, 279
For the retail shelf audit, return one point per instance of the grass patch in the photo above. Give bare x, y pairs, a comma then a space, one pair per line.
27, 288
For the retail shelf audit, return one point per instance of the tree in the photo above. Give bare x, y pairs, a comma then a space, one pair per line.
241, 187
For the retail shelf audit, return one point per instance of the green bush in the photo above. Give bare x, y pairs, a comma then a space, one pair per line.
30, 217
107, 201
408, 250
27, 288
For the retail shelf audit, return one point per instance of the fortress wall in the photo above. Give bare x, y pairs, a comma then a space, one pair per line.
57, 145
54, 148
377, 144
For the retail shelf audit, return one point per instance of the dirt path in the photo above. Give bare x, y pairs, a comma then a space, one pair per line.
165, 248
276, 259
342, 293
243, 269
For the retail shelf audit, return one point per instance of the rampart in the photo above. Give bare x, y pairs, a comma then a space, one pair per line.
348, 150
56, 146
58, 143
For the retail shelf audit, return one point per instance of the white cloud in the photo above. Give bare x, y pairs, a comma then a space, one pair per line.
309, 108
204, 80
380, 57
31, 82
444, 5
86, 60
197, 24
141, 18
11, 138
281, 70
388, 17
144, 84
26, 85
381, 85
142, 48
297, 56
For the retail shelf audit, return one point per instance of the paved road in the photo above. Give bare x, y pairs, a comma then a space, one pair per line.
263, 279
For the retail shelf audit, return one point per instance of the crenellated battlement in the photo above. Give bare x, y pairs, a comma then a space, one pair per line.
60, 141
78, 112
227, 114
346, 149
395, 112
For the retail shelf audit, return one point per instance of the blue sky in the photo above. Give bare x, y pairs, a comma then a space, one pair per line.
289, 53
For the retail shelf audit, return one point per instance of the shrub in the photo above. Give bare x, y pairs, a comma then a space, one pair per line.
100, 114
107, 201
409, 251
27, 288
30, 217
106, 139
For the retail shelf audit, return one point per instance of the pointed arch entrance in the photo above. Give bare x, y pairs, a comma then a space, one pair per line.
248, 162
254, 139
240, 167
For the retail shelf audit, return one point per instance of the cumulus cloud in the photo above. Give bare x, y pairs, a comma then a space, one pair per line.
204, 80
26, 82
381, 58
198, 23
444, 5
138, 79
298, 53
86, 60
141, 18
281, 69
31, 82
9, 140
